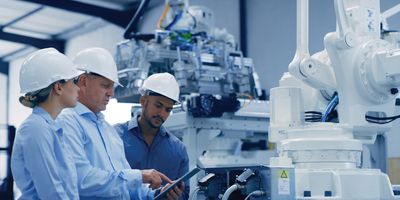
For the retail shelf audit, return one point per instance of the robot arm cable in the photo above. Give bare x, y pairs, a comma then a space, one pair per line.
257, 193
331, 106
130, 29
176, 19
193, 195
229, 191
313, 116
164, 13
381, 120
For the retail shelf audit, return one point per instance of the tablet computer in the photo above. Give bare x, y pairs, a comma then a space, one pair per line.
184, 178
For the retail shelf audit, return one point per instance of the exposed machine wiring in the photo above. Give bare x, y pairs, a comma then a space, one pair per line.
193, 194
130, 30
381, 120
174, 21
331, 107
248, 96
313, 116
257, 193
163, 15
229, 191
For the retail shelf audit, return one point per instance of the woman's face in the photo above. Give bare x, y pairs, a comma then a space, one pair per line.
69, 96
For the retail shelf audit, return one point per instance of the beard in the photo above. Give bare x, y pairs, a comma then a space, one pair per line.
156, 125
152, 120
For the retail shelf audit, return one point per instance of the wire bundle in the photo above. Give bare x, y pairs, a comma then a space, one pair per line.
381, 120
331, 107
313, 116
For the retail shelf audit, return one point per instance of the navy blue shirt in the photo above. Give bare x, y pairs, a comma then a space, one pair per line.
166, 154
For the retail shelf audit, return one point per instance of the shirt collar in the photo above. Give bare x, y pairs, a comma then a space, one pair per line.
85, 111
46, 116
133, 123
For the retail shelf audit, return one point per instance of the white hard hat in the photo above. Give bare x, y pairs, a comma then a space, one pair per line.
97, 60
44, 67
162, 83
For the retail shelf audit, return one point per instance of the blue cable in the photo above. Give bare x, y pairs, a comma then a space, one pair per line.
331, 106
176, 18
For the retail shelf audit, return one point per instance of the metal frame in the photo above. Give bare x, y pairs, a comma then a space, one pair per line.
4, 67
36, 42
252, 118
7, 187
117, 17
243, 26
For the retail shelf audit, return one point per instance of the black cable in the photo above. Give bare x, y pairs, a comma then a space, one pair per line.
381, 120
194, 20
326, 95
377, 122
313, 119
312, 116
129, 31
313, 112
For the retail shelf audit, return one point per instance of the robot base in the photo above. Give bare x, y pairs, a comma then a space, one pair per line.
343, 184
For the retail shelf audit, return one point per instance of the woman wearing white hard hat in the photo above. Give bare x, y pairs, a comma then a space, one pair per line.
40, 161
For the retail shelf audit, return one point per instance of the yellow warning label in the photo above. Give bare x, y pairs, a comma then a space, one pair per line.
283, 173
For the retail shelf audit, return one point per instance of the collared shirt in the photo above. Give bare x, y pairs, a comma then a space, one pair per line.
166, 154
40, 160
103, 171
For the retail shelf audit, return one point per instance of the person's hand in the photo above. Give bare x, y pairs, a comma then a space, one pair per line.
154, 178
174, 193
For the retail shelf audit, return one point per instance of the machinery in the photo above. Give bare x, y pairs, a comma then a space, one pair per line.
202, 58
325, 109
320, 151
222, 110
358, 70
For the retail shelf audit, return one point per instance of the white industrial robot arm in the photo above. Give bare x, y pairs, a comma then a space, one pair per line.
388, 13
364, 65
311, 70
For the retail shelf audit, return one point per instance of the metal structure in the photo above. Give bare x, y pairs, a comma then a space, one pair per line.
355, 73
189, 48
7, 183
320, 157
219, 87
358, 70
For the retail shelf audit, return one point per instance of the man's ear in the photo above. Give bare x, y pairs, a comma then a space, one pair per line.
83, 80
142, 100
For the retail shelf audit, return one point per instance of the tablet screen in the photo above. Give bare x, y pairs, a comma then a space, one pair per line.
184, 178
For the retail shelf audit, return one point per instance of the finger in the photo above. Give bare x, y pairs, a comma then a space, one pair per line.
182, 185
178, 190
164, 177
153, 186
165, 187
173, 195
169, 197
157, 183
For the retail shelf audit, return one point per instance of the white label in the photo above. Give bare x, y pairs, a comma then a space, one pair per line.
283, 186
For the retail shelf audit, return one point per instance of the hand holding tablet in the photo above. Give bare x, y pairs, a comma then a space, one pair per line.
184, 178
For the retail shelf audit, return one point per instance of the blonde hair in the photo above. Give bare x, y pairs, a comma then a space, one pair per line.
32, 99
